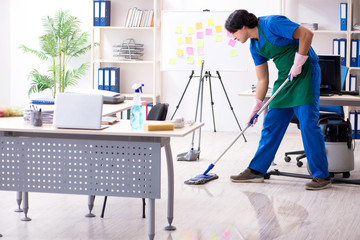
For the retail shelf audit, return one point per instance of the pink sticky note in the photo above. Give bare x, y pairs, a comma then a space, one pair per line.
200, 51
199, 35
229, 34
232, 42
208, 32
190, 50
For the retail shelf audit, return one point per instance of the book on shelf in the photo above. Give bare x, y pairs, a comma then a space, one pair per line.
139, 18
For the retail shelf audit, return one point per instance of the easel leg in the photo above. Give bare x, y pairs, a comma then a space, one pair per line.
212, 102
231, 107
182, 96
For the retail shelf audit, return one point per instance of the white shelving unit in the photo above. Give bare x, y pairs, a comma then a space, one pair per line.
146, 71
327, 14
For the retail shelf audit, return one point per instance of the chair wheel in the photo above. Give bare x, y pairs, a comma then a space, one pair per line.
346, 174
299, 163
287, 159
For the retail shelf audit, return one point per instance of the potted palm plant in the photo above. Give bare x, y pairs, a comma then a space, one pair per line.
61, 42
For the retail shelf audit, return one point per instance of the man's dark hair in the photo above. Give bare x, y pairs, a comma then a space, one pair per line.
240, 18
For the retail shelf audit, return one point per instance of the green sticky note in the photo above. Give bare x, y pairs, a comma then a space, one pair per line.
200, 43
190, 60
233, 53
177, 29
218, 38
172, 61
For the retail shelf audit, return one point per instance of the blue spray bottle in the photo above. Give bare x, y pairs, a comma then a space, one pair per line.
136, 116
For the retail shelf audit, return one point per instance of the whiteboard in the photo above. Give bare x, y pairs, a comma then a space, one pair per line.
190, 37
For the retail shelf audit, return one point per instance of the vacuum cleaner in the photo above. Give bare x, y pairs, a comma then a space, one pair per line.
338, 144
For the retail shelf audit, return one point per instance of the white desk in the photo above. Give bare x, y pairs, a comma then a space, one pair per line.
116, 161
340, 100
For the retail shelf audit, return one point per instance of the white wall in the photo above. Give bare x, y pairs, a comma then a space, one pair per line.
5, 75
25, 27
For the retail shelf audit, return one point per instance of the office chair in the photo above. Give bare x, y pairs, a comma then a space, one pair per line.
156, 113
324, 112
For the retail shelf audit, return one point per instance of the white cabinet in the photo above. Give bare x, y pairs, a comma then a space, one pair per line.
147, 70
327, 14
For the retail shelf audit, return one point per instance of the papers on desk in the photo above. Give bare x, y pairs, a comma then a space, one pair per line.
47, 112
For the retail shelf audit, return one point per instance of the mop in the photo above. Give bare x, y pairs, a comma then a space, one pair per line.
206, 176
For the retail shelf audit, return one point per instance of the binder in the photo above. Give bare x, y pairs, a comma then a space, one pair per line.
353, 83
343, 16
106, 78
336, 47
342, 43
96, 13
105, 7
358, 51
354, 53
353, 117
357, 125
101, 78
115, 79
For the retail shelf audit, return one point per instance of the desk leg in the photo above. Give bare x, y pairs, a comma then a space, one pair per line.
18, 201
151, 214
26, 206
91, 199
170, 168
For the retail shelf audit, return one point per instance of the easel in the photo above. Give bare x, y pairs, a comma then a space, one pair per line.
192, 155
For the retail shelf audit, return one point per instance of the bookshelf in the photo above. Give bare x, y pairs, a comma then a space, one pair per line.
103, 39
327, 14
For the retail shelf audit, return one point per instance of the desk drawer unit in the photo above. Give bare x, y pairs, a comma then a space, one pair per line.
80, 166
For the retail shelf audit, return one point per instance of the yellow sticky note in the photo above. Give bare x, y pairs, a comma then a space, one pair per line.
177, 29
190, 60
218, 28
218, 38
200, 43
179, 52
199, 62
172, 61
198, 25
188, 40
190, 30
210, 22
233, 53
180, 40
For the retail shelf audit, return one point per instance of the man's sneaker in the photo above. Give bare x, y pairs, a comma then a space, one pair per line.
248, 176
318, 183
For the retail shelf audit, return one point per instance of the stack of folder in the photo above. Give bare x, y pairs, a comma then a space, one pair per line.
102, 11
339, 48
354, 117
109, 79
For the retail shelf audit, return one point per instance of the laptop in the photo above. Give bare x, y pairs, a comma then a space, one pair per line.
78, 110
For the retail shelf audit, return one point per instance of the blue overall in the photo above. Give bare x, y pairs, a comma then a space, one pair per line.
278, 116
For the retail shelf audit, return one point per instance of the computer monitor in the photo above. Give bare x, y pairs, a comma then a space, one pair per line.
330, 74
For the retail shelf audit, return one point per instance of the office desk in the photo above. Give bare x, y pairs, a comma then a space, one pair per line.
116, 161
340, 100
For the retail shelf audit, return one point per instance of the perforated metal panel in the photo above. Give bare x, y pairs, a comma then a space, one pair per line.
90, 167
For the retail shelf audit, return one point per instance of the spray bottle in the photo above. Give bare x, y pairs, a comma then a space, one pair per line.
136, 118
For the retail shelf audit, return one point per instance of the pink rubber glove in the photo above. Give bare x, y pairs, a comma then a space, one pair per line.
299, 61
258, 104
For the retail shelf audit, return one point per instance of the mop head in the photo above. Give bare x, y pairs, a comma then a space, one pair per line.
201, 179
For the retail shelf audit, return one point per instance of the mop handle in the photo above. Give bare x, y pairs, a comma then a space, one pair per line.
242, 132
269, 101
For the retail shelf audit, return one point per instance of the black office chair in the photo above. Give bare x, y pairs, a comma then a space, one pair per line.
156, 113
